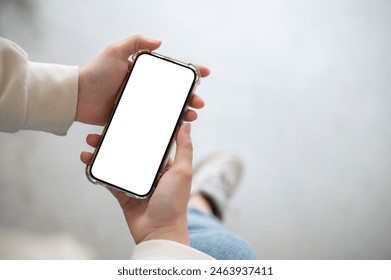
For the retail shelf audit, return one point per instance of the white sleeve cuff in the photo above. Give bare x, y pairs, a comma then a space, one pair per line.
52, 97
167, 250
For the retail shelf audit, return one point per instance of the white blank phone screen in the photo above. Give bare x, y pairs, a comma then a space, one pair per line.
144, 121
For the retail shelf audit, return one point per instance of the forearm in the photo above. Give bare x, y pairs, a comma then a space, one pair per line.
177, 233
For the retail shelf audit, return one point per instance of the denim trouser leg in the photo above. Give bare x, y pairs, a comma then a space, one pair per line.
208, 235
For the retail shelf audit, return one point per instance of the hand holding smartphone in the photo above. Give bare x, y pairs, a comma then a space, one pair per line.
136, 141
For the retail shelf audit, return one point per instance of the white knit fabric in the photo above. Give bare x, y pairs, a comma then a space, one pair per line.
35, 96
167, 250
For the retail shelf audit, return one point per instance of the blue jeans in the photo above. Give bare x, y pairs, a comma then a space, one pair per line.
208, 235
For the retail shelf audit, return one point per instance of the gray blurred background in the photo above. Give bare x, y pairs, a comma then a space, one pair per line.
299, 89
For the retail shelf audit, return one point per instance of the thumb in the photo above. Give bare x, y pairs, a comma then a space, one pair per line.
184, 149
135, 43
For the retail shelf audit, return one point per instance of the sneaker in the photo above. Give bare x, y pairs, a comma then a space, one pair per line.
216, 178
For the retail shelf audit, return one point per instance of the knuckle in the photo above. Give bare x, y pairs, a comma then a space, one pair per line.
112, 49
183, 172
188, 145
136, 37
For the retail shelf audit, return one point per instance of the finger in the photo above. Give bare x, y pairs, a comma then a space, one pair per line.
86, 157
190, 116
93, 140
204, 71
132, 44
184, 150
197, 102
167, 166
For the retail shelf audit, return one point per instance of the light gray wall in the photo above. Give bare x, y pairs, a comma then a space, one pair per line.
299, 89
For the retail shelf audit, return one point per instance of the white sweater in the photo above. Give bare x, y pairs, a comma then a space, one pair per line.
39, 96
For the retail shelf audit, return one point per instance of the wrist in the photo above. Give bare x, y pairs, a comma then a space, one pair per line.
172, 233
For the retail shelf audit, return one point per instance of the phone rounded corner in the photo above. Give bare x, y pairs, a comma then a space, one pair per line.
148, 194
197, 74
140, 52
89, 175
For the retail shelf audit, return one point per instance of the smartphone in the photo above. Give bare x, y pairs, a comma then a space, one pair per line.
149, 110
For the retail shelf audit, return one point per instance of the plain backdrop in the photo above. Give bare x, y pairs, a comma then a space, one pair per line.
300, 90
